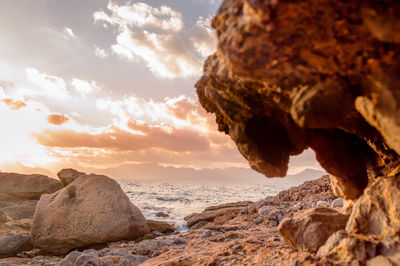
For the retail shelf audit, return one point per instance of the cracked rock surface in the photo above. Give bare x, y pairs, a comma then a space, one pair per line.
319, 74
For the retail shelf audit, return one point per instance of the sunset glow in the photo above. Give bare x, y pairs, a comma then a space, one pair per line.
110, 87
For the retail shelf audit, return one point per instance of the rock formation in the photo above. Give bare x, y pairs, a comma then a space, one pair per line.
319, 74
19, 187
91, 210
20, 193
308, 230
69, 175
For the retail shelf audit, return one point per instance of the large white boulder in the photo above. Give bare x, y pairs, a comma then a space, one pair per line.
91, 210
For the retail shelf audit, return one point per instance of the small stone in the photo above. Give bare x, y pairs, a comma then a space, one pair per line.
162, 214
337, 203
70, 258
297, 207
89, 258
206, 233
14, 244
322, 203
133, 260
379, 261
264, 210
160, 226
156, 234
258, 220
3, 217
119, 252
273, 223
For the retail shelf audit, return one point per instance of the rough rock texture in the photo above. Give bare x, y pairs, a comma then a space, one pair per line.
320, 74
18, 187
234, 241
13, 244
216, 214
289, 75
160, 226
377, 212
69, 175
91, 210
20, 209
308, 230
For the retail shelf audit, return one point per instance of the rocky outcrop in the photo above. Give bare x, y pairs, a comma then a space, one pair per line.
19, 187
69, 175
91, 210
292, 75
377, 212
308, 230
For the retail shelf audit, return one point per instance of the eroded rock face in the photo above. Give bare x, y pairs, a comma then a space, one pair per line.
377, 212
295, 74
320, 74
91, 210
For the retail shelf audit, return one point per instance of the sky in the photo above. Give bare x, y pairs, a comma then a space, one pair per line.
100, 84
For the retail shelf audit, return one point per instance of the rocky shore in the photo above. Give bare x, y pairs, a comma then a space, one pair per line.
88, 220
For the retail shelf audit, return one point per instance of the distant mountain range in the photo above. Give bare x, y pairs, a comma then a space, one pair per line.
235, 174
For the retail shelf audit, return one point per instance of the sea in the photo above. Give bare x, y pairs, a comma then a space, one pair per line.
178, 199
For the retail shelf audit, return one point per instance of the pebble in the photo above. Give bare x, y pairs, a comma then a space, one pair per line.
322, 203
70, 258
337, 203
206, 233
88, 258
258, 220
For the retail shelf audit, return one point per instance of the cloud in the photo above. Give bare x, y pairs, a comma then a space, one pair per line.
204, 38
181, 112
142, 15
84, 87
177, 140
57, 119
157, 37
47, 85
69, 33
166, 55
99, 52
13, 104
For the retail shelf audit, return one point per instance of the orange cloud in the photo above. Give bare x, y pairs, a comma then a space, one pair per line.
14, 105
179, 140
57, 119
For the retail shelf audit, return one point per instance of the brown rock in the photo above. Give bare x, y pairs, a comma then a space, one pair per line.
285, 78
91, 210
162, 214
160, 226
18, 187
20, 209
67, 176
377, 212
19, 226
308, 230
216, 214
379, 261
